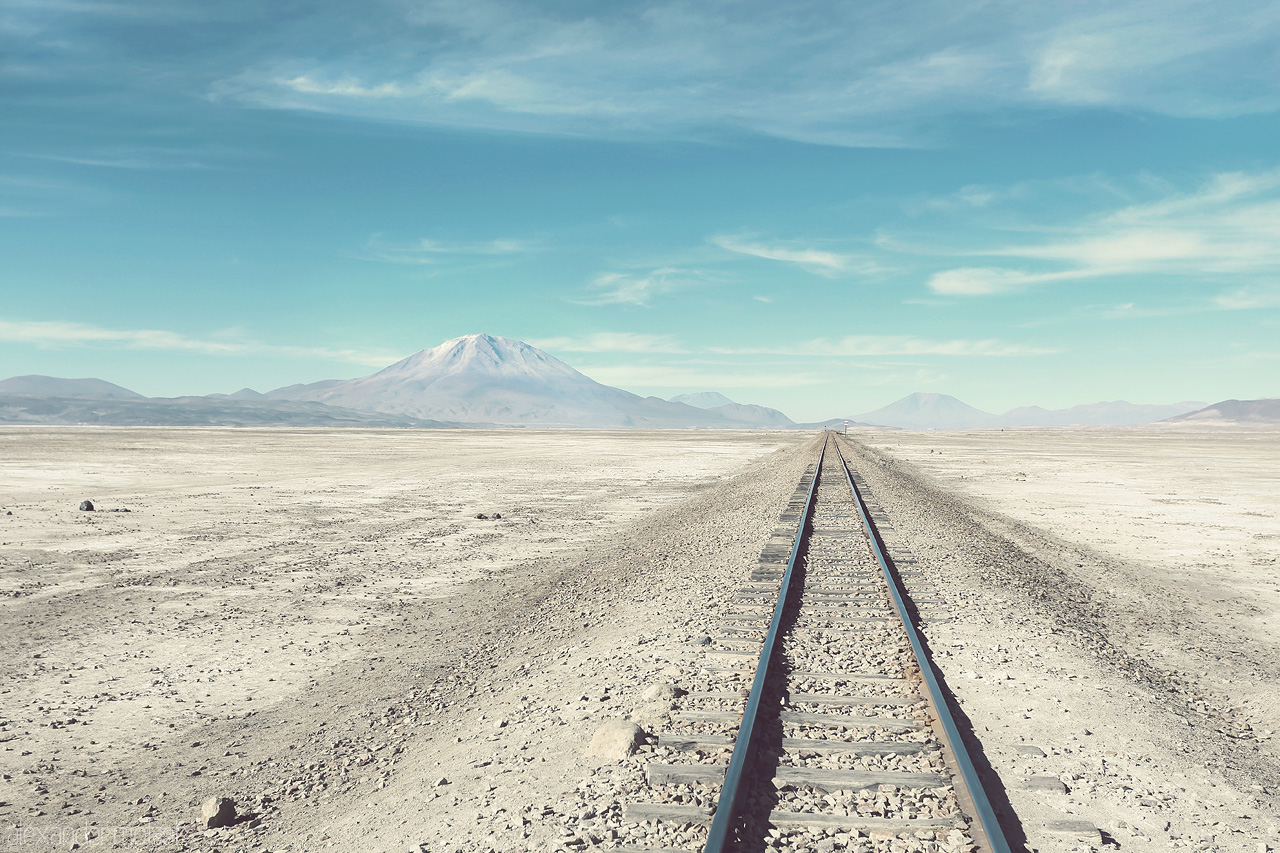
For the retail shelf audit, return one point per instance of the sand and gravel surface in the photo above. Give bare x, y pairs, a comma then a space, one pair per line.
1105, 605
317, 625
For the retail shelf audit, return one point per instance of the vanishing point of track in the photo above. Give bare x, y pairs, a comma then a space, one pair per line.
822, 725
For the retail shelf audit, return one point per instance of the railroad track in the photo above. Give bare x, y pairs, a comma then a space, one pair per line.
814, 725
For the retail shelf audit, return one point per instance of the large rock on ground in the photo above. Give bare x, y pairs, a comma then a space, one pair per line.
217, 811
661, 692
615, 740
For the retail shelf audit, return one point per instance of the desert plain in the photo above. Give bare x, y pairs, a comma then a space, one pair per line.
319, 625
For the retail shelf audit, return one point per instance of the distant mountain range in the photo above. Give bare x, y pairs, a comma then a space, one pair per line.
927, 411
218, 410
52, 386
487, 379
476, 380
483, 380
1234, 412
703, 399
745, 413
941, 411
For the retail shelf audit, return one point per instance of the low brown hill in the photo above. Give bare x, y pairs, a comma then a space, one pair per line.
1264, 411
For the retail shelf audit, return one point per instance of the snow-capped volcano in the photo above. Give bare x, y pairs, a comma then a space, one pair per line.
489, 379
477, 355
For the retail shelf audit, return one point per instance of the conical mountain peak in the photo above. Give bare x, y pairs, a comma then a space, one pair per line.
482, 354
489, 379
929, 410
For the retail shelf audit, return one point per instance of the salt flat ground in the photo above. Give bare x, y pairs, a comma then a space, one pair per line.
316, 624
1190, 520
1111, 598
245, 547
266, 582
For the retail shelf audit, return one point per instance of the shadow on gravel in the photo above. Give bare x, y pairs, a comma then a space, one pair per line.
991, 783
762, 796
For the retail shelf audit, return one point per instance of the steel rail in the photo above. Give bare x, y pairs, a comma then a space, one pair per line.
985, 815
731, 794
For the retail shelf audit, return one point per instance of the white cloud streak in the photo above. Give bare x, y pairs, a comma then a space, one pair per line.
1125, 55
60, 334
817, 261
134, 160
1227, 229
676, 376
638, 289
629, 342
984, 281
1248, 299
429, 252
22, 196
868, 345
843, 74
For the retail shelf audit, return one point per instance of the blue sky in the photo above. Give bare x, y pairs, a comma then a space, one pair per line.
820, 207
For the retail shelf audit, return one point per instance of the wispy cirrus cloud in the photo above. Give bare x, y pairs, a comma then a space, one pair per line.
983, 281
969, 196
1133, 311
847, 74
62, 334
1247, 299
818, 261
899, 345
638, 289
427, 251
135, 159
629, 342
700, 376
24, 196
838, 74
497, 88
1227, 230
1128, 53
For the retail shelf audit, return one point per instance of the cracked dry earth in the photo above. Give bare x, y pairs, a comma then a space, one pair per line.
315, 624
